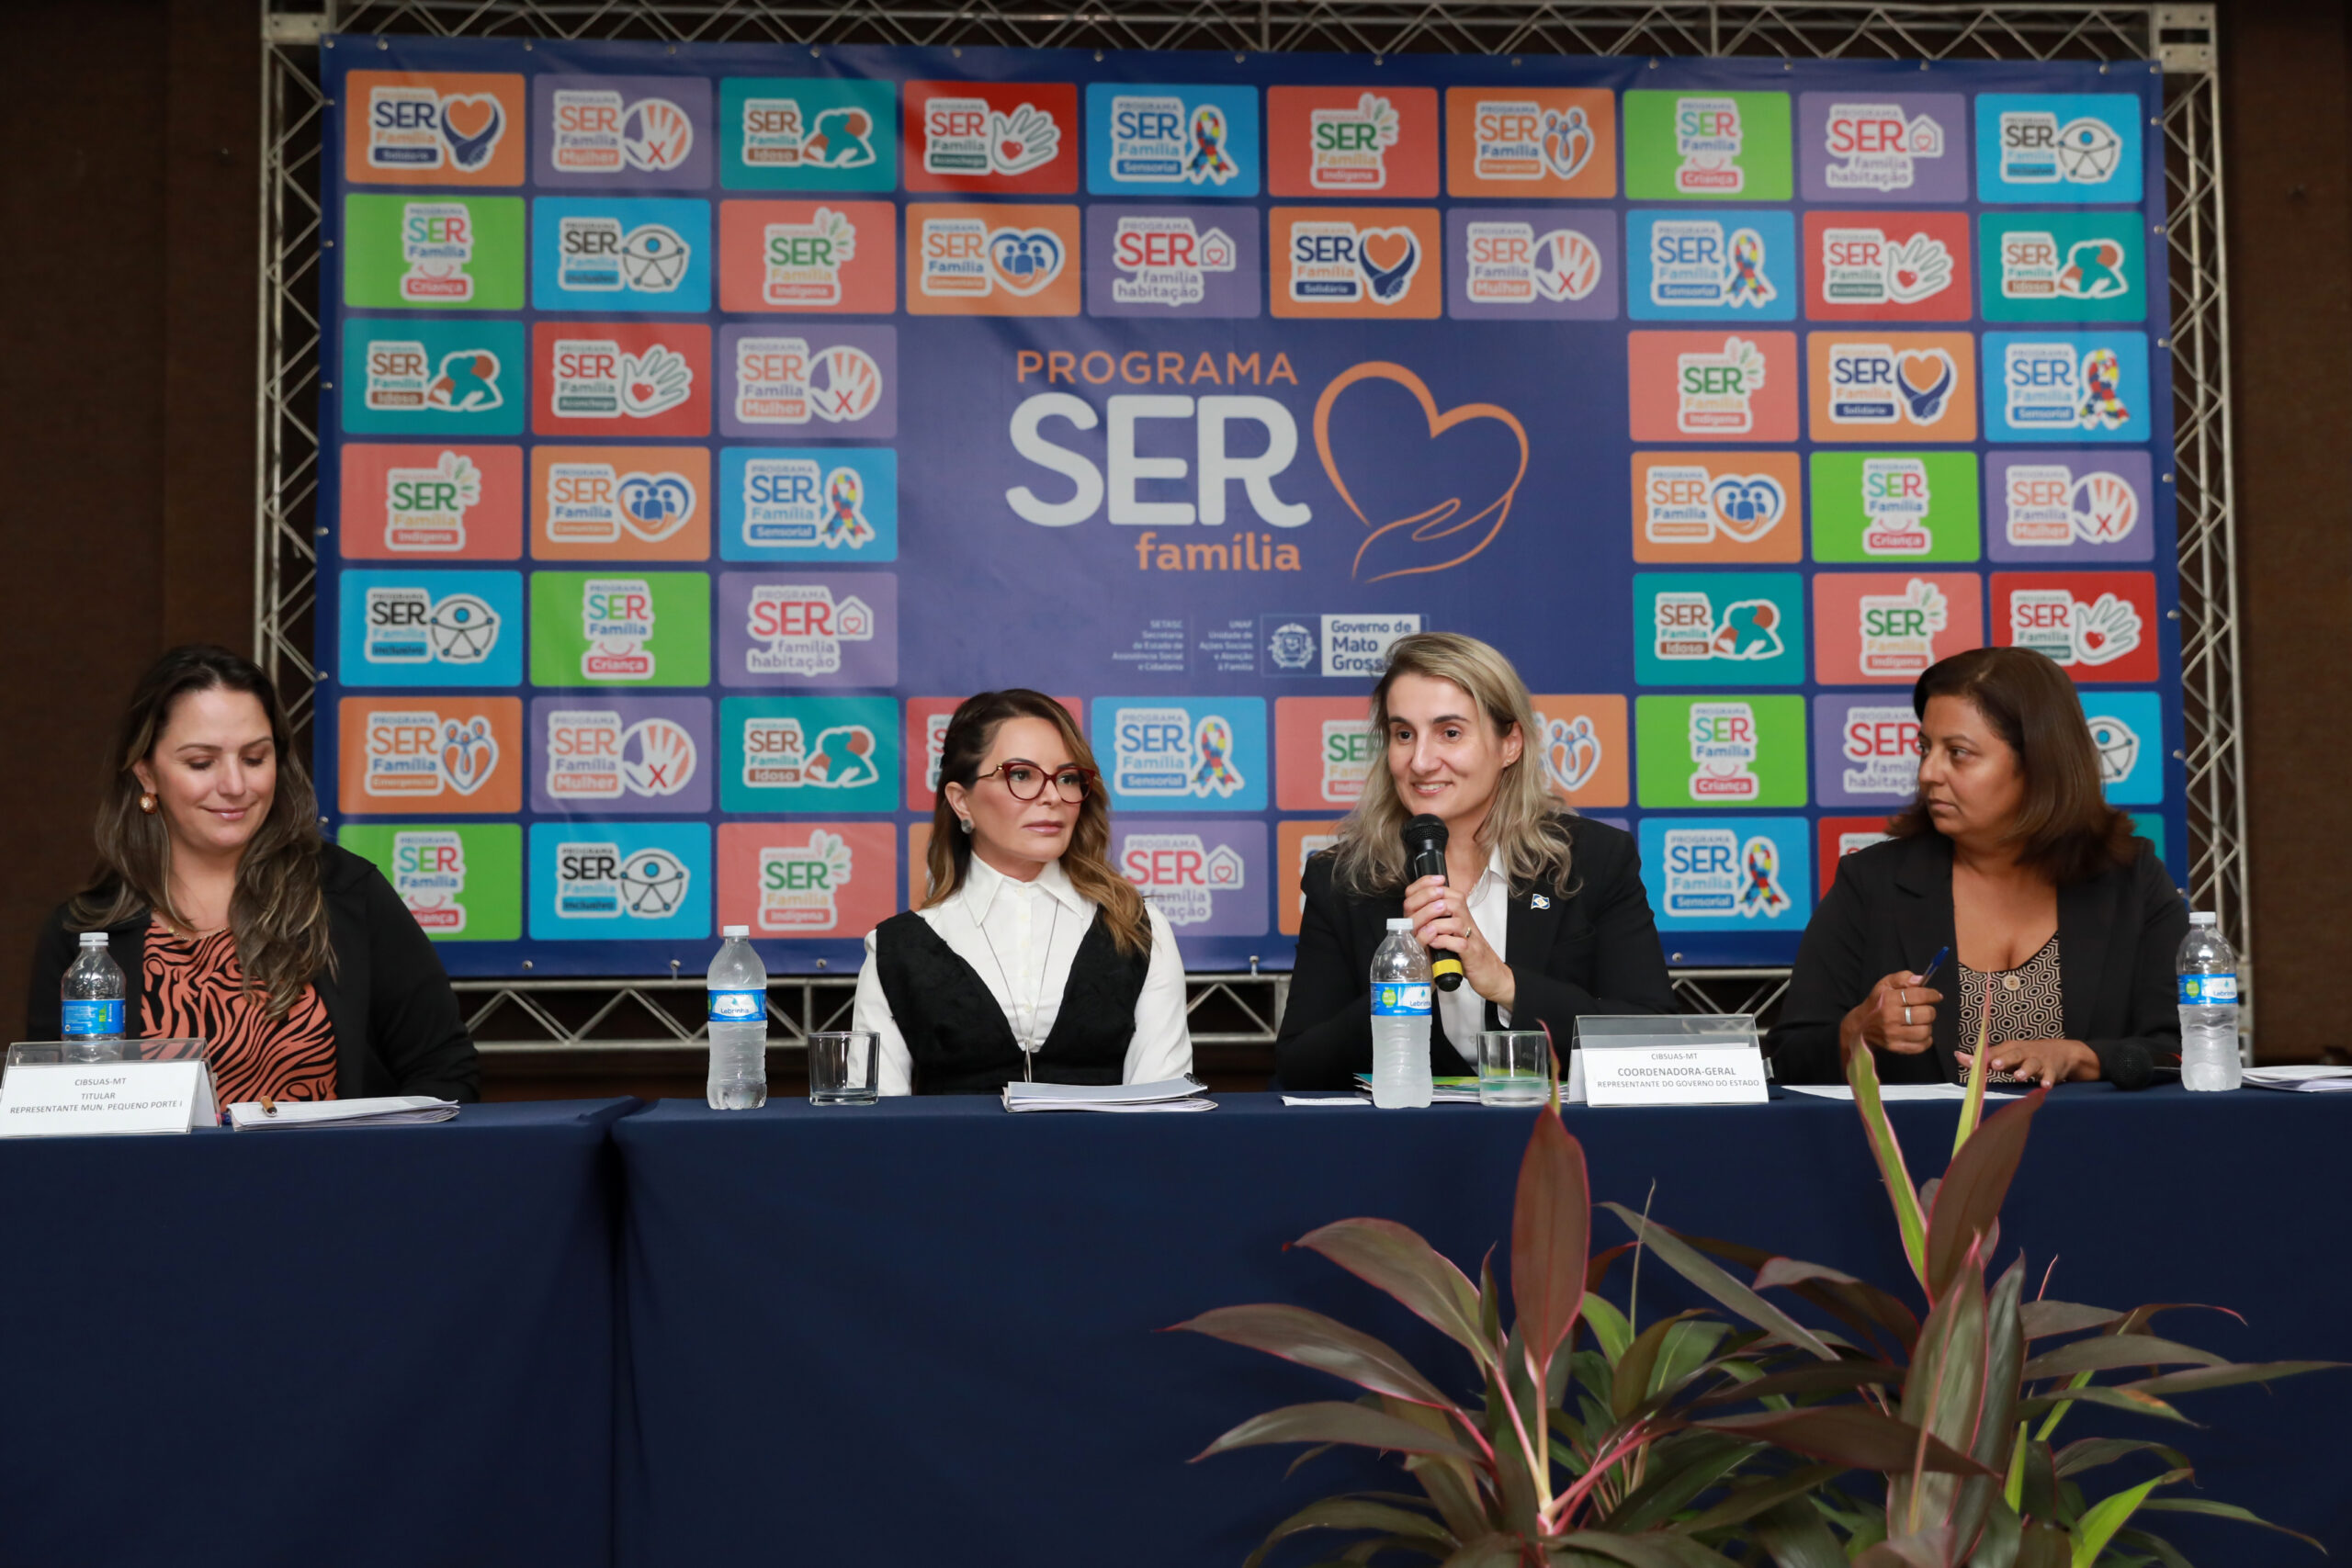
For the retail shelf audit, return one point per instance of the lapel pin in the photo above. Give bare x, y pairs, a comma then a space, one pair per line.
1540, 901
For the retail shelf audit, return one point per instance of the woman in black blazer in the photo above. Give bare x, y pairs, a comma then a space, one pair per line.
234, 922
2063, 927
1545, 910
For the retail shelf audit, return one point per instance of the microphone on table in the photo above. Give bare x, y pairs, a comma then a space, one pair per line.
1425, 850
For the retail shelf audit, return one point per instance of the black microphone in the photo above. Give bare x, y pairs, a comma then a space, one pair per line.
1425, 850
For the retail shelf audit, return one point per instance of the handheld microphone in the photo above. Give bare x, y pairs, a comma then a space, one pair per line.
1425, 839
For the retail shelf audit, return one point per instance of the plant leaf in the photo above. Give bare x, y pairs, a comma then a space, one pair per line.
1862, 1073
1490, 1551
1675, 1470
1972, 1108
2103, 1518
1610, 1329
2102, 1351
1750, 1501
2114, 1398
1332, 1422
1648, 1551
1944, 1397
1395, 1258
1798, 1537
2222, 1511
2226, 1375
1314, 1340
1353, 1514
1828, 1377
1686, 1260
2154, 1546
1550, 1237
2041, 1546
2043, 1319
1864, 1305
1969, 1201
1854, 1435
1631, 1382
2092, 1453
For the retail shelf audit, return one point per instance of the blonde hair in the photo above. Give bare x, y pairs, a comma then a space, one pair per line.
1523, 819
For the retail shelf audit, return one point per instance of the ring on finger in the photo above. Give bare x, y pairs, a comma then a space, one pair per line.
1907, 1017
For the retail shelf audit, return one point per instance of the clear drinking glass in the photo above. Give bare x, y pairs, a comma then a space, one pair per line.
841, 1067
1513, 1067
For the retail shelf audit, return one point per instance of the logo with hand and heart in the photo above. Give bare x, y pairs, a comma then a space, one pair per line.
468, 752
1388, 258
1438, 537
1926, 377
1747, 505
471, 127
654, 506
1026, 260
1571, 750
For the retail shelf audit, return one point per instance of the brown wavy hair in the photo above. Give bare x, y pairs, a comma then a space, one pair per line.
278, 914
1087, 861
2064, 829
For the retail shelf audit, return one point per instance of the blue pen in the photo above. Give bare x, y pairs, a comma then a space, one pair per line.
1934, 964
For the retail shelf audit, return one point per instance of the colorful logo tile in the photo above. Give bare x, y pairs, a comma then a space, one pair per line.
1886, 266
2128, 729
440, 250
1351, 142
1865, 750
432, 628
1843, 836
1709, 628
620, 881
1707, 146
1325, 749
1296, 842
997, 259
818, 504
1883, 386
432, 127
1358, 261
1155, 138
1873, 147
2059, 147
2060, 387
1723, 265
992, 138
808, 629
1531, 143
807, 879
2050, 508
2063, 267
463, 881
439, 753
620, 628
1719, 386
607, 253
825, 755
2101, 625
809, 257
1739, 751
1893, 506
1521, 264
599, 754
795, 133
435, 501
813, 381
1182, 753
1887, 627
431, 378
1728, 873
1207, 875
620, 503
1691, 507
918, 868
622, 132
621, 378
1173, 261
1582, 744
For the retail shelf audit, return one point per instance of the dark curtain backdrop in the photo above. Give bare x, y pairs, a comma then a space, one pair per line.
127, 393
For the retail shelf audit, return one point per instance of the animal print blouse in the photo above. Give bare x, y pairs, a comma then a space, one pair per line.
190, 988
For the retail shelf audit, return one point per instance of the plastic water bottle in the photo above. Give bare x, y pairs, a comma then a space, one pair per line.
737, 993
1400, 1021
91, 995
2209, 1008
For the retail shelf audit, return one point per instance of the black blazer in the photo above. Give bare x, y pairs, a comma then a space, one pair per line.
1891, 909
397, 1028
1594, 949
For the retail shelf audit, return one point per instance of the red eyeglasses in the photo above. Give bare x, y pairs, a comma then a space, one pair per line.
1027, 780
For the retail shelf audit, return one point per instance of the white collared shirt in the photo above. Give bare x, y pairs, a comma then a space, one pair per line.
1462, 1009
1021, 939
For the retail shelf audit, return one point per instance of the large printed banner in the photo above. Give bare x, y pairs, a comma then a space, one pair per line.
702, 422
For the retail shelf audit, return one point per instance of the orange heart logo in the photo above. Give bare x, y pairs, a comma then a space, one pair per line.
470, 116
1385, 248
1439, 537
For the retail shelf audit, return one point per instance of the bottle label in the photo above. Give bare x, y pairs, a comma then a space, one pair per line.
737, 1006
2208, 990
85, 1020
1409, 998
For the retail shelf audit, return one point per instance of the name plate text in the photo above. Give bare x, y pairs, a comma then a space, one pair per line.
51, 1100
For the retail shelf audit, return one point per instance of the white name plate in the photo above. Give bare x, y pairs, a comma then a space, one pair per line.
1669, 1061
56, 1100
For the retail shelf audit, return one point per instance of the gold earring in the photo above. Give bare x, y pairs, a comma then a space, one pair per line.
147, 804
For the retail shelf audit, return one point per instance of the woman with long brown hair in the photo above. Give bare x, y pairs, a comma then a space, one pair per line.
1031, 958
235, 922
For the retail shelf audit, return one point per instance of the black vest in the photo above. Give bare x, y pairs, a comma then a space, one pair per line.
959, 1038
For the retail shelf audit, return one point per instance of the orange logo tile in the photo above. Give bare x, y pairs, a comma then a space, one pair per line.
829, 256
433, 127
1380, 262
1351, 142
993, 260
440, 755
1538, 141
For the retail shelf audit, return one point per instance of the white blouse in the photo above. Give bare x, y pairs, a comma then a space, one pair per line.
1021, 939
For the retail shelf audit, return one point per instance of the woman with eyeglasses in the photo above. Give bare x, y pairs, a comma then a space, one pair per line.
1031, 958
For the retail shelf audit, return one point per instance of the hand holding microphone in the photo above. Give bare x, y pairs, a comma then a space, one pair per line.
1425, 839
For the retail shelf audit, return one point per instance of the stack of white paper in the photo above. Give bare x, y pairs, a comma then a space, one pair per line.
1890, 1092
1171, 1094
392, 1111
2302, 1080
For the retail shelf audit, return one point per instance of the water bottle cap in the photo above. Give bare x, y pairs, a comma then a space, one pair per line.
734, 930
94, 939
2202, 917
1400, 924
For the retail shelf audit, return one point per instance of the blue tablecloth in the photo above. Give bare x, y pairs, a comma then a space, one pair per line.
380, 1346
923, 1331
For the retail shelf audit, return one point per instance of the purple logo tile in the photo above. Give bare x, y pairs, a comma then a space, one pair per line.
1865, 749
805, 630
1173, 261
1208, 875
793, 381
622, 132
1883, 149
2069, 508
1531, 263
597, 755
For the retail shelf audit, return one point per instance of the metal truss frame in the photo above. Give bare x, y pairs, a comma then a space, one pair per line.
1241, 1010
